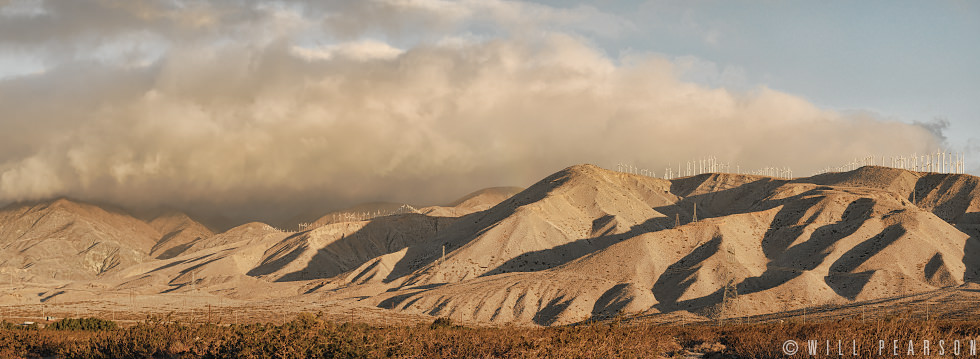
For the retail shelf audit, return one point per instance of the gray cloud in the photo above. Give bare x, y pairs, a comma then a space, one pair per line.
260, 125
937, 126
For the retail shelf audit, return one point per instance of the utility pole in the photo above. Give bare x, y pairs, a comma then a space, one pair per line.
677, 220
695, 211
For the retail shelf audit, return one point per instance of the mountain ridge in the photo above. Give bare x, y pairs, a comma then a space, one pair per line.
584, 242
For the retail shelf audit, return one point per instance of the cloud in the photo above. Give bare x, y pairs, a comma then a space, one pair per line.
361, 51
260, 125
708, 73
937, 126
398, 17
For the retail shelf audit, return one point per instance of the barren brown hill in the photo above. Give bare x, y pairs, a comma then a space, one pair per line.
219, 264
473, 202
778, 244
332, 249
62, 240
582, 243
179, 232
486, 198
953, 197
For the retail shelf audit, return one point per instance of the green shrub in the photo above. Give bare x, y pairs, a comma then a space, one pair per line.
442, 322
83, 324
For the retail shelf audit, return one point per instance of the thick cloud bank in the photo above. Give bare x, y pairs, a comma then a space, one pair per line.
199, 109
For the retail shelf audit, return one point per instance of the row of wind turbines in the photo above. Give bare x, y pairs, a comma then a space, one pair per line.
941, 161
354, 216
708, 164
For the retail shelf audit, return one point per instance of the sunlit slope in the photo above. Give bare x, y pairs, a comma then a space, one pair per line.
775, 244
68, 240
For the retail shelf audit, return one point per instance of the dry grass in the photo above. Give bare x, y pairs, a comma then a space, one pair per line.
309, 336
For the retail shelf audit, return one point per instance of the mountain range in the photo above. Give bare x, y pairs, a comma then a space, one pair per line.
582, 243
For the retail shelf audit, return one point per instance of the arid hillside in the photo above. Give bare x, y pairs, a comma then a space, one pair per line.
63, 240
583, 243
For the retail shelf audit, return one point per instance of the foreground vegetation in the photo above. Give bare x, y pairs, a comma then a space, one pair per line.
309, 336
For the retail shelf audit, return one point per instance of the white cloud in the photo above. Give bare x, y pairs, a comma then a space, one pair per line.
362, 50
235, 116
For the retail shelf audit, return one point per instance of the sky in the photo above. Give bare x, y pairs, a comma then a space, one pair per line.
262, 110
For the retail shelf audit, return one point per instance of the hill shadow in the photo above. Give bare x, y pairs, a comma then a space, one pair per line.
969, 223
271, 266
612, 302
175, 250
423, 249
678, 277
550, 312
842, 279
953, 209
791, 262
718, 203
786, 262
472, 226
561, 254
380, 236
